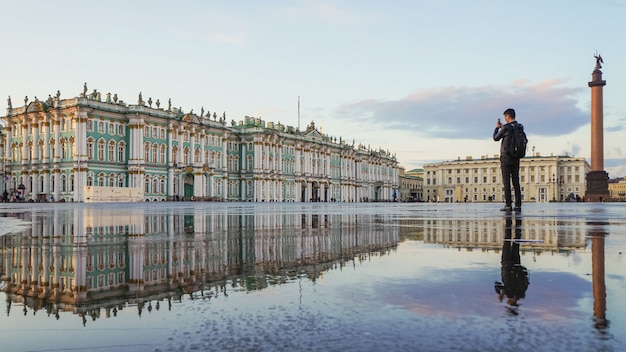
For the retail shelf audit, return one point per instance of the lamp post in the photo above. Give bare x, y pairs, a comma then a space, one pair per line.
554, 188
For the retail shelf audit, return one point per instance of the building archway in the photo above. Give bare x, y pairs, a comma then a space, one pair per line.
303, 187
315, 191
188, 186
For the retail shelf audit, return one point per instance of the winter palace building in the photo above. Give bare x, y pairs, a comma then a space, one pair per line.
91, 147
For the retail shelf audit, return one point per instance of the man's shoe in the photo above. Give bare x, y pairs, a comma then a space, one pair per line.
506, 209
517, 208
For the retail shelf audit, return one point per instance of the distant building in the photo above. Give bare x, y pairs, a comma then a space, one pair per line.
617, 189
542, 178
54, 149
411, 185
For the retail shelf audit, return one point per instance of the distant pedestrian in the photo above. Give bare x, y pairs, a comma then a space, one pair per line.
508, 163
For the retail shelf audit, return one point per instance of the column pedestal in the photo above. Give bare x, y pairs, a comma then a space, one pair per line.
597, 187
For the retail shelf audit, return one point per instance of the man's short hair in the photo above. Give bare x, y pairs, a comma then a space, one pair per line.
509, 112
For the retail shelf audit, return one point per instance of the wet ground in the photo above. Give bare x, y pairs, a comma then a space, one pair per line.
312, 277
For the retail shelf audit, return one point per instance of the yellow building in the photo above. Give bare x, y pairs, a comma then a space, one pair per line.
542, 179
617, 189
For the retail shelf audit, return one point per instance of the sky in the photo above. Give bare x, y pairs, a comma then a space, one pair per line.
425, 80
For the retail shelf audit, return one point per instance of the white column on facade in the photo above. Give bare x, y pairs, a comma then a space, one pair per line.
25, 154
297, 152
256, 157
46, 142
211, 185
35, 141
80, 150
224, 154
279, 157
198, 183
56, 156
56, 176
243, 162
181, 145
46, 182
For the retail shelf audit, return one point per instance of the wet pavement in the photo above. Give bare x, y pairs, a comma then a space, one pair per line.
312, 277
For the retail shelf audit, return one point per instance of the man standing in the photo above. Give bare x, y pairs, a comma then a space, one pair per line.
508, 162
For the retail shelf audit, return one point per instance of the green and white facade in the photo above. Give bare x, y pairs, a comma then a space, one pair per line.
53, 149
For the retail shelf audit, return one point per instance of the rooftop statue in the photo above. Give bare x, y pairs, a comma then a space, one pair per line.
9, 103
599, 61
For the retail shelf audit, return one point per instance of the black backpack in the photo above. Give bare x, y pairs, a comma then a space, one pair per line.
517, 148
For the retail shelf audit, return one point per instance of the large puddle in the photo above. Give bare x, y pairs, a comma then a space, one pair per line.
312, 277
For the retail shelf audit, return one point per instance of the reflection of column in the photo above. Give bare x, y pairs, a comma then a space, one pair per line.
597, 279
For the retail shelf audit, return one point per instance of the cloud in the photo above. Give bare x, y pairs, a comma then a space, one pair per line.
615, 167
546, 109
327, 12
616, 128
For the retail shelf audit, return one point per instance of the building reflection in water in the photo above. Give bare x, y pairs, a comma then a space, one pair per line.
93, 261
537, 235
540, 235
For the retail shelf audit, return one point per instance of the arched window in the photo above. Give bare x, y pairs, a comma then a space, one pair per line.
162, 188
90, 149
174, 153
101, 150
155, 153
146, 153
186, 156
121, 152
111, 151
63, 149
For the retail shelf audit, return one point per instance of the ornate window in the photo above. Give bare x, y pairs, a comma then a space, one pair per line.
121, 151
101, 150
146, 152
155, 154
90, 149
111, 152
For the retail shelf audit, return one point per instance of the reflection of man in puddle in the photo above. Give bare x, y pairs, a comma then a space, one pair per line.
514, 275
